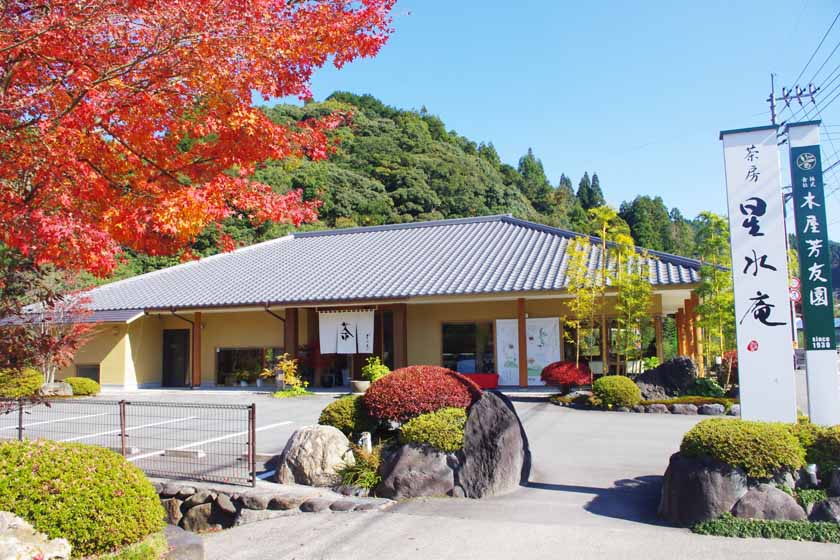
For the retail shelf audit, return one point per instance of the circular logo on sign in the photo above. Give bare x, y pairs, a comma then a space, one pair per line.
752, 346
795, 295
806, 161
795, 283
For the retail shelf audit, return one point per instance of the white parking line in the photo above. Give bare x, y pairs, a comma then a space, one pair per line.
206, 441
25, 425
77, 438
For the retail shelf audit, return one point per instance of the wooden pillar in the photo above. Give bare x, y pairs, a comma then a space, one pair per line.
290, 332
689, 328
314, 341
400, 336
698, 336
196, 351
680, 332
523, 342
657, 327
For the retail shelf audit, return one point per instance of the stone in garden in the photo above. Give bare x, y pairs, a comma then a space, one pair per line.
827, 510
200, 497
712, 409
18, 539
185, 492
768, 502
314, 505
57, 389
170, 489
671, 379
197, 519
496, 458
254, 501
312, 455
695, 490
622, 409
225, 504
172, 507
638, 408
183, 545
734, 410
784, 478
834, 483
657, 409
343, 505
284, 502
415, 470
253, 515
685, 409
807, 479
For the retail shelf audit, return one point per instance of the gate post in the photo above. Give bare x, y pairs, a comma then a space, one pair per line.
20, 419
252, 437
122, 427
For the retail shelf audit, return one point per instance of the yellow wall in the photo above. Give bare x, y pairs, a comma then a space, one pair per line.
105, 346
251, 329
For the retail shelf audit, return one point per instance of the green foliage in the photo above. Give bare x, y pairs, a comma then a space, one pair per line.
809, 496
586, 292
616, 390
825, 451
364, 473
761, 449
153, 547
15, 384
291, 392
695, 400
349, 415
706, 387
650, 362
728, 525
89, 495
82, 386
650, 223
442, 429
374, 369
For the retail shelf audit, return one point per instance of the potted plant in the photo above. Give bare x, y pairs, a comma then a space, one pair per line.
372, 370
243, 377
265, 374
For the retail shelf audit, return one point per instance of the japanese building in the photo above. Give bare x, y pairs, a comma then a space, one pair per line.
478, 295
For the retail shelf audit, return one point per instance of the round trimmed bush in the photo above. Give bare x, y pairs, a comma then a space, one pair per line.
89, 495
16, 384
442, 429
349, 415
761, 449
82, 386
617, 390
414, 390
825, 450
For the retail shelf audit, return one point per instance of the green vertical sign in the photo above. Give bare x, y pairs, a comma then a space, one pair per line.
812, 239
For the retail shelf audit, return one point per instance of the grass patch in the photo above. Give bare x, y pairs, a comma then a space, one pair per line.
695, 400
728, 525
153, 547
289, 393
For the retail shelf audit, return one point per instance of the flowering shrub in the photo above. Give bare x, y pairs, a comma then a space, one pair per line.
566, 374
415, 390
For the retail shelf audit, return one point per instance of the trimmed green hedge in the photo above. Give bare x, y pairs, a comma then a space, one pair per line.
761, 449
442, 429
15, 384
695, 400
825, 450
349, 415
82, 386
89, 495
728, 525
617, 390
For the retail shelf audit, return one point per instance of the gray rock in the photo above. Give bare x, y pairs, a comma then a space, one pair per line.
695, 490
833, 483
225, 504
314, 505
638, 408
253, 515
807, 479
18, 539
254, 501
367, 506
183, 545
768, 502
200, 497
713, 409
671, 379
158, 486
346, 490
457, 492
827, 510
281, 502
621, 409
657, 409
197, 519
415, 470
784, 478
343, 505
172, 507
496, 458
685, 409
312, 455
185, 492
734, 410
57, 389
170, 489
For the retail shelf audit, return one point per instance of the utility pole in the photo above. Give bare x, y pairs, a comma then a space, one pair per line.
797, 93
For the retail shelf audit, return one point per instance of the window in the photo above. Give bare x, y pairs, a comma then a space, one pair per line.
468, 347
90, 371
230, 361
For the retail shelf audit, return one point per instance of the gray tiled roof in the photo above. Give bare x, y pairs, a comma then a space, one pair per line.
492, 254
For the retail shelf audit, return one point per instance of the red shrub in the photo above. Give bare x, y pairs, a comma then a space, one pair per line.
566, 374
414, 390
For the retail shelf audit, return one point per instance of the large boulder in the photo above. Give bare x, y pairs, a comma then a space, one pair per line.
695, 490
827, 510
833, 482
671, 379
768, 502
416, 470
496, 458
56, 389
312, 455
19, 540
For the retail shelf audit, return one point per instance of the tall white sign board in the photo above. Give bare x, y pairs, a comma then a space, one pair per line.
543, 347
759, 274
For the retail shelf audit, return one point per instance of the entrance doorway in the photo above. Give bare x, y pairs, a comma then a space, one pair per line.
176, 346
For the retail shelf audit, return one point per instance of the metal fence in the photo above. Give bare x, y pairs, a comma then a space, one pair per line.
209, 442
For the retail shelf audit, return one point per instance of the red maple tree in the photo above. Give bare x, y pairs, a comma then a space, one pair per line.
129, 123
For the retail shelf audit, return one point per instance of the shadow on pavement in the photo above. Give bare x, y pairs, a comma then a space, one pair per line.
530, 398
631, 499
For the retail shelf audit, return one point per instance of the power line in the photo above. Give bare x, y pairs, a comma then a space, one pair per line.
825, 35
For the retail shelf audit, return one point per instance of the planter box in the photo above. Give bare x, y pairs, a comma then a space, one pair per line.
484, 380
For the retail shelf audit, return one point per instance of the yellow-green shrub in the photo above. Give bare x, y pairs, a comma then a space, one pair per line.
617, 390
349, 415
761, 449
89, 495
825, 450
82, 386
15, 383
442, 429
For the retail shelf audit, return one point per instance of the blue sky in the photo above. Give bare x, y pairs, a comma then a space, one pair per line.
636, 91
